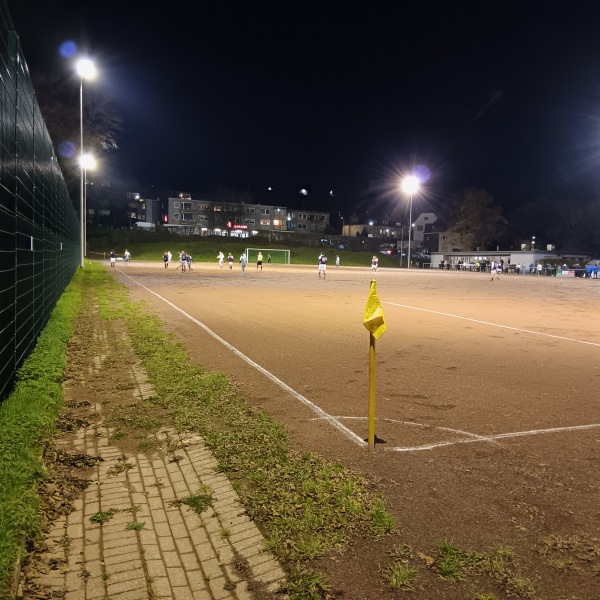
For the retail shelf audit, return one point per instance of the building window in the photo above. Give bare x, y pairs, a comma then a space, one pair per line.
176, 217
265, 221
265, 211
186, 206
425, 218
323, 218
301, 226
303, 216
175, 204
202, 206
187, 217
216, 208
249, 221
249, 211
277, 222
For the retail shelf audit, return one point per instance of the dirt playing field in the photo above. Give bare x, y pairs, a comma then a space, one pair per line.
488, 400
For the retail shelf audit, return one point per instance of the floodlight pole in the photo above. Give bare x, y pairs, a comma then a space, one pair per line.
82, 176
409, 229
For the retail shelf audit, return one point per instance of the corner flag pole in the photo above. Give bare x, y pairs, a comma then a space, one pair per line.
371, 438
374, 321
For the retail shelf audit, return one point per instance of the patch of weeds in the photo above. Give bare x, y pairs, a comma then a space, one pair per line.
452, 563
118, 435
122, 465
484, 596
400, 553
561, 552
175, 458
399, 576
382, 521
85, 574
501, 564
102, 517
198, 502
225, 533
304, 584
132, 509
147, 445
135, 525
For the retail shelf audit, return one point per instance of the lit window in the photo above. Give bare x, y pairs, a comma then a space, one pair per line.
265, 221
217, 208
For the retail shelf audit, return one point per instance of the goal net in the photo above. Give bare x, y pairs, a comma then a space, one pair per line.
278, 257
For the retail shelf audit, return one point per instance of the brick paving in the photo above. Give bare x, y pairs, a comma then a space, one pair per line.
153, 546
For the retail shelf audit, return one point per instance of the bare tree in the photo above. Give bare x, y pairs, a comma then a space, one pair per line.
476, 219
58, 99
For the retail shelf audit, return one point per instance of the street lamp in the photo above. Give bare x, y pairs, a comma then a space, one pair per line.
86, 161
85, 70
410, 185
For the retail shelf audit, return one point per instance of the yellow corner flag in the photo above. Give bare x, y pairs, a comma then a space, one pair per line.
374, 320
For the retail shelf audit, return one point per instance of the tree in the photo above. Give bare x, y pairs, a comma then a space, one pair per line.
58, 100
476, 219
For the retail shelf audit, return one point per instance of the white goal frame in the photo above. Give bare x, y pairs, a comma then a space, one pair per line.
278, 256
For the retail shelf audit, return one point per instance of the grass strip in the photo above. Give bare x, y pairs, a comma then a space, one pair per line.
27, 422
306, 505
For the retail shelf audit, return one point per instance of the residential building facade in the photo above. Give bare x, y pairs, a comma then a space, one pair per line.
202, 216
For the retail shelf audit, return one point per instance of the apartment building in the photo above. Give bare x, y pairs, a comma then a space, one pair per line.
200, 216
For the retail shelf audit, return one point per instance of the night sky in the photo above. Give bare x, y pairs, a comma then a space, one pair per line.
340, 95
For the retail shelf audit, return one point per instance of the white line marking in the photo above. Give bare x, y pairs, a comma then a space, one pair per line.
327, 417
436, 312
473, 437
499, 436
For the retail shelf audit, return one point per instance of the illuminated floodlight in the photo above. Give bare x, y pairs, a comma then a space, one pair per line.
86, 68
87, 161
410, 185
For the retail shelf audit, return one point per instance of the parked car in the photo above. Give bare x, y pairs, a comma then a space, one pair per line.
388, 249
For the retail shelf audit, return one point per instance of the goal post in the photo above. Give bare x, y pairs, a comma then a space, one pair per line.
278, 256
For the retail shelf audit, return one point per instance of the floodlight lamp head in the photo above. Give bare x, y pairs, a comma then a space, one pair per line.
410, 185
87, 161
86, 68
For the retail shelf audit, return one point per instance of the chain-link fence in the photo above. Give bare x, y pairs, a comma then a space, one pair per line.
39, 228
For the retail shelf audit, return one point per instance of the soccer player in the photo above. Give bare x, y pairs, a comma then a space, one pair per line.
322, 265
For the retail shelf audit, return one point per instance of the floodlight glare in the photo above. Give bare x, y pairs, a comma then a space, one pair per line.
86, 68
410, 185
87, 161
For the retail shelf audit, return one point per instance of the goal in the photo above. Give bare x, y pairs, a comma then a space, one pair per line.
278, 257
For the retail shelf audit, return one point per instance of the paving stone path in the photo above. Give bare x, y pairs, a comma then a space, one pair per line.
151, 544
